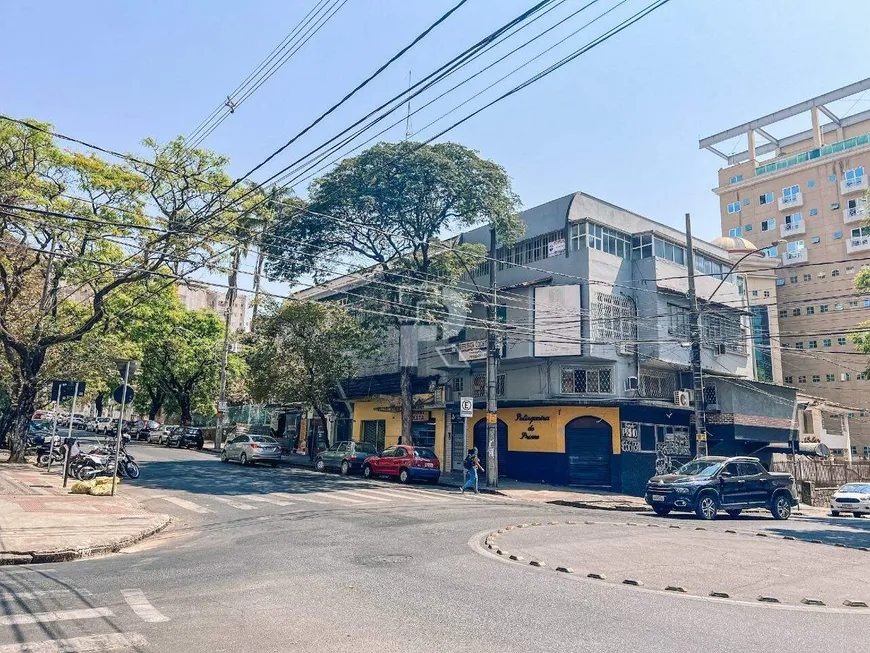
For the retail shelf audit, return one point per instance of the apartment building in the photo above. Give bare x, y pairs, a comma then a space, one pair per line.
800, 196
197, 297
594, 356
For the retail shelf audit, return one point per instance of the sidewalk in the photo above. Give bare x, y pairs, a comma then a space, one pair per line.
40, 521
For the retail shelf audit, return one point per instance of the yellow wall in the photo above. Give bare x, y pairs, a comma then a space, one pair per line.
551, 431
367, 410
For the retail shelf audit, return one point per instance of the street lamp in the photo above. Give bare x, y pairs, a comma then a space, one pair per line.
757, 250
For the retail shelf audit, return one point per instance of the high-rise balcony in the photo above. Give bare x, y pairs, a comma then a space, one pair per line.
858, 244
793, 201
855, 214
792, 228
854, 185
797, 256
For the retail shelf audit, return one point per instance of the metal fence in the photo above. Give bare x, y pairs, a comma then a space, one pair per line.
824, 473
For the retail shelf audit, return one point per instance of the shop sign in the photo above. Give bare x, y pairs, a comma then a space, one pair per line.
421, 416
529, 432
472, 350
555, 248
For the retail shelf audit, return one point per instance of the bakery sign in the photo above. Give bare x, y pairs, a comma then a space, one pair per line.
528, 432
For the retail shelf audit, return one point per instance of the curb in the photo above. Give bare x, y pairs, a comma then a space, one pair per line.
598, 506
36, 557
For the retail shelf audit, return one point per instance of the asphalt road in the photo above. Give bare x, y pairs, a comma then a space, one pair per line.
290, 560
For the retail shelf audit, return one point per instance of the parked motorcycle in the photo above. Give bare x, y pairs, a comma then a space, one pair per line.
102, 461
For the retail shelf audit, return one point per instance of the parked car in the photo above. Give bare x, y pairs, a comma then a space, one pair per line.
42, 414
406, 462
186, 436
708, 485
105, 425
852, 497
346, 456
146, 428
252, 449
161, 436
38, 432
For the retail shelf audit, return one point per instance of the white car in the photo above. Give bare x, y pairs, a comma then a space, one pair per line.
852, 497
103, 425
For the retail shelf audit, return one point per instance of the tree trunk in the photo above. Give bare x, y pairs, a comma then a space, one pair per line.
258, 271
407, 405
156, 403
26, 401
184, 405
322, 417
9, 418
98, 404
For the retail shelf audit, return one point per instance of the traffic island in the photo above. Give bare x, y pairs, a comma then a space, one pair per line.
708, 563
40, 521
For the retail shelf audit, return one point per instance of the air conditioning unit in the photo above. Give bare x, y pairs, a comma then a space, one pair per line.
624, 349
719, 349
630, 384
681, 398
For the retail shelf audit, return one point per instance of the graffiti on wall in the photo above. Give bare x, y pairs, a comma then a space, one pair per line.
630, 442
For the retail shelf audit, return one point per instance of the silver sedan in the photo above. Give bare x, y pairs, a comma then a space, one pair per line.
252, 449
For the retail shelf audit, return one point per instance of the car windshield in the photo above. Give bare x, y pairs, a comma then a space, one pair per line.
365, 447
699, 468
263, 438
424, 453
862, 488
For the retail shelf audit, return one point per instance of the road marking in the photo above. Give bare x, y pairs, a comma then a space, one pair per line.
265, 498
235, 504
58, 615
307, 498
187, 505
89, 644
333, 495
6, 595
393, 495
417, 495
359, 493
142, 607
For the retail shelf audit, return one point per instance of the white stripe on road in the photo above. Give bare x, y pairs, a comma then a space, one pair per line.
142, 607
329, 497
235, 504
415, 495
6, 595
89, 644
265, 498
187, 505
58, 615
301, 497
393, 495
360, 494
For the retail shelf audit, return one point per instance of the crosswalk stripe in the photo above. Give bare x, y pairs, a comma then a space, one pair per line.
265, 498
235, 504
88, 644
396, 495
6, 595
359, 493
135, 598
305, 497
327, 496
57, 615
408, 493
187, 505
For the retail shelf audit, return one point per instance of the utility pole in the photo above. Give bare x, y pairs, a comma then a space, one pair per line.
222, 398
120, 424
491, 373
695, 337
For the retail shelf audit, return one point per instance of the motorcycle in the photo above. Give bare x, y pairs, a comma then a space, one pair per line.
45, 453
89, 466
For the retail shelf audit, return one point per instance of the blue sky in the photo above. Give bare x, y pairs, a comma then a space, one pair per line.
622, 122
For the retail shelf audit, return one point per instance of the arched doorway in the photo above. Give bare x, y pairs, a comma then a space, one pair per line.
502, 452
588, 449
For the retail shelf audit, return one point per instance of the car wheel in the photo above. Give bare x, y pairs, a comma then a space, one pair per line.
345, 468
367, 471
661, 511
781, 507
224, 458
404, 476
734, 513
708, 506
835, 513
319, 465
243, 458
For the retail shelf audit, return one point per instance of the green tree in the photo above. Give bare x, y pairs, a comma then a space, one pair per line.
393, 207
861, 337
300, 352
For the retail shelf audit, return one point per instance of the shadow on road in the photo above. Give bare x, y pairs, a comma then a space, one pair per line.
831, 530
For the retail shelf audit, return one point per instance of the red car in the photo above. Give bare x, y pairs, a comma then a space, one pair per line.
407, 462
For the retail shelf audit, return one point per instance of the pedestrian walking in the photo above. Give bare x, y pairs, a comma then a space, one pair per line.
472, 464
310, 446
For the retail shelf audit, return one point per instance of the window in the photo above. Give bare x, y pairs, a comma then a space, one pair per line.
795, 247
808, 277
771, 252
860, 376
832, 178
813, 344
823, 308
838, 235
810, 183
768, 225
783, 313
746, 202
835, 273
829, 378
668, 250
811, 310
790, 194
844, 376
867, 451
802, 379
767, 198
799, 345
780, 282
499, 386
374, 432
854, 177
576, 380
794, 218
678, 320
723, 329
826, 342
789, 379
860, 235
613, 318
821, 275
478, 385
838, 306
854, 450
755, 293
850, 269
796, 311
642, 246
735, 232
793, 279
867, 303
817, 378
841, 341
767, 293
814, 212
816, 240
458, 384
734, 180
658, 384
594, 236
853, 303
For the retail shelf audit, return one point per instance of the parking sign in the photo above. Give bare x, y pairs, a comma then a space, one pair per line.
466, 406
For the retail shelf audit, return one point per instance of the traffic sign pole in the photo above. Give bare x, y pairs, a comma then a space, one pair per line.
120, 426
54, 423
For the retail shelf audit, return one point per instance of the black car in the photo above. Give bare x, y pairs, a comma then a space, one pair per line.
346, 456
706, 485
186, 436
146, 428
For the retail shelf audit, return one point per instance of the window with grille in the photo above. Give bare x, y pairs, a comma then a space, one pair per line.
478, 385
723, 329
583, 380
710, 395
658, 385
678, 320
374, 431
613, 318
458, 383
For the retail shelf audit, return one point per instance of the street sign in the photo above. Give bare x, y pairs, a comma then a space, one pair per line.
121, 365
222, 406
466, 407
118, 395
61, 390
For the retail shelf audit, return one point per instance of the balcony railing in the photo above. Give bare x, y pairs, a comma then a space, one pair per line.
854, 185
819, 152
855, 214
860, 244
791, 201
797, 256
792, 229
